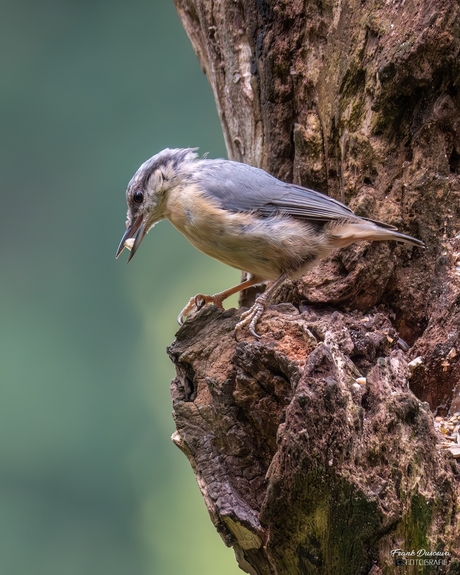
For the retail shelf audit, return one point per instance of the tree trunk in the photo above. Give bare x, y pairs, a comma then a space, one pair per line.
310, 450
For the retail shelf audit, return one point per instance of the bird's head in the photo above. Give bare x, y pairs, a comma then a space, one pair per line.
147, 190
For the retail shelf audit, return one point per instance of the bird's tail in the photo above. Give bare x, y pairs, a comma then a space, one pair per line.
344, 233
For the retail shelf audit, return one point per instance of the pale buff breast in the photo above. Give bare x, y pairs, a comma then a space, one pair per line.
265, 247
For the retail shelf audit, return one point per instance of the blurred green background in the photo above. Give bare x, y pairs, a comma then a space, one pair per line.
90, 482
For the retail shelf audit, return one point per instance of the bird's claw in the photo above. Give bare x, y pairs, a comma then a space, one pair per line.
196, 303
200, 300
251, 316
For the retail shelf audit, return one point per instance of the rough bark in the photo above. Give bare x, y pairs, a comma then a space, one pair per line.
311, 451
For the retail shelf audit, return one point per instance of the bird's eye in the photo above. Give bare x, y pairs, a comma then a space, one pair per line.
138, 197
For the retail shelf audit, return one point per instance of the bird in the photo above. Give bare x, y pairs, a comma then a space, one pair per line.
244, 217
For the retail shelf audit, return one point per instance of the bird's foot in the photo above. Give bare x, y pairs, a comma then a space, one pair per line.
252, 315
196, 303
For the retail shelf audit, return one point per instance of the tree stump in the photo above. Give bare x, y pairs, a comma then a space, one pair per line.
315, 448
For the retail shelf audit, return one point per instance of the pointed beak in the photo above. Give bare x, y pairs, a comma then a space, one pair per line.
137, 231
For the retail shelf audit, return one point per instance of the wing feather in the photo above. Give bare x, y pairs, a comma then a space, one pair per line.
238, 187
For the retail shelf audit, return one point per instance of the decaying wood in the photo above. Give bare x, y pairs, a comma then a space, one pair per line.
305, 466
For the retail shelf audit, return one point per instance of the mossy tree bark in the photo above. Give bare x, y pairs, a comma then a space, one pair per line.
314, 448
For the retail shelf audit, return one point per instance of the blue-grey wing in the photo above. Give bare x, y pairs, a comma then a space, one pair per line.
241, 188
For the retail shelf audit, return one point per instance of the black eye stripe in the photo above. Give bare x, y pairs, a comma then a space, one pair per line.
138, 197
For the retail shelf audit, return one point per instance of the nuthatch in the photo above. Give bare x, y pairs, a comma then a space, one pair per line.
245, 218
